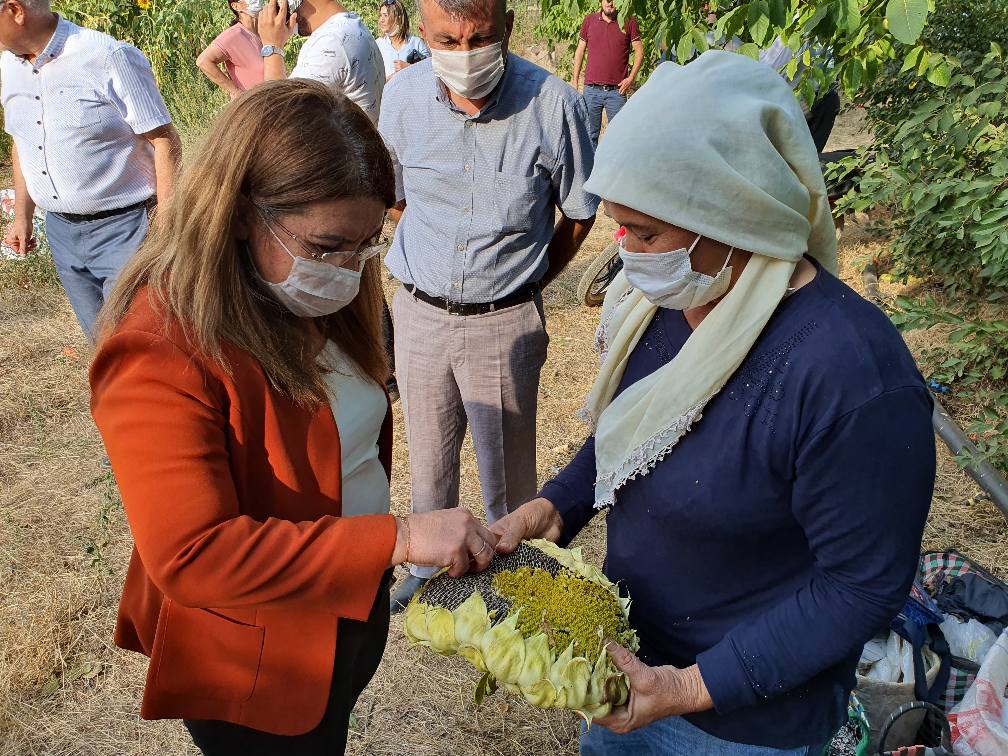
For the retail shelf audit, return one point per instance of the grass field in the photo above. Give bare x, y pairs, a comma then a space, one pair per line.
64, 545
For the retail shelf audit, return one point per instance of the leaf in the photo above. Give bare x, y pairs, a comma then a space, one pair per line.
684, 48
912, 59
906, 19
778, 13
749, 50
850, 15
487, 686
939, 75
50, 687
759, 21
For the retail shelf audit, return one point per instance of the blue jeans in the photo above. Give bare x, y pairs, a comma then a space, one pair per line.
598, 99
89, 255
672, 736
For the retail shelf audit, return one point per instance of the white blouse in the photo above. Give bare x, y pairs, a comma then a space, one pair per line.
359, 406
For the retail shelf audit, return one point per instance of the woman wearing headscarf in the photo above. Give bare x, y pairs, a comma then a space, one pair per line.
238, 386
761, 436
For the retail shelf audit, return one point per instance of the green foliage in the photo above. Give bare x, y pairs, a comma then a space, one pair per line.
862, 35
941, 166
974, 361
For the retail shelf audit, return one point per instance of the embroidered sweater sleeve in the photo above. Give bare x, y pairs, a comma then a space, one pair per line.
871, 471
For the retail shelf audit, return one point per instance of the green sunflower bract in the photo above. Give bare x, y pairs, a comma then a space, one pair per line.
534, 622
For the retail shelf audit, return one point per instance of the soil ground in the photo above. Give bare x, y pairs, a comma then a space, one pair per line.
64, 544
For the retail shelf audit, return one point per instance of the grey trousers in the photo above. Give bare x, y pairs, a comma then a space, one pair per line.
477, 370
89, 255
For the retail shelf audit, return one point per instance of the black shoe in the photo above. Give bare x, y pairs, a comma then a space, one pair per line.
404, 592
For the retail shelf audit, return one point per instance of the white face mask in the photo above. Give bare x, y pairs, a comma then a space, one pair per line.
313, 289
471, 74
667, 279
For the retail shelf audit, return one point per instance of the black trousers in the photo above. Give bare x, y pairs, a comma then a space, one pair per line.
359, 650
822, 117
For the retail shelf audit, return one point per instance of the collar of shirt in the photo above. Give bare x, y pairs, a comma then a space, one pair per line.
442, 96
55, 45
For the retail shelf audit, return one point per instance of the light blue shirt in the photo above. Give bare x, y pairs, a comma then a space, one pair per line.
482, 191
390, 55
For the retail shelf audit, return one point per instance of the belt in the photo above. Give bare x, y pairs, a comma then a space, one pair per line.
149, 203
606, 87
525, 294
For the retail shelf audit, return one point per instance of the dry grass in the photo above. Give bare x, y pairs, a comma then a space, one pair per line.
64, 543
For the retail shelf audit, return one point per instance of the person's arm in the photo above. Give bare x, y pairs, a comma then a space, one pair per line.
20, 234
575, 158
859, 583
167, 156
638, 61
862, 490
568, 235
209, 62
564, 506
579, 53
185, 512
275, 31
136, 95
633, 30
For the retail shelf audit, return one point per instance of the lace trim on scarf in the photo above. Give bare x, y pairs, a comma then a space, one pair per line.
643, 459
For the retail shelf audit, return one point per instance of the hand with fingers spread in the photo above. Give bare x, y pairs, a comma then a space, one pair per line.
535, 519
450, 538
655, 692
275, 28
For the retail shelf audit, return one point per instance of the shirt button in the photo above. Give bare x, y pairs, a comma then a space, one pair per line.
468, 124
38, 123
468, 167
40, 146
461, 248
37, 97
55, 197
44, 173
465, 209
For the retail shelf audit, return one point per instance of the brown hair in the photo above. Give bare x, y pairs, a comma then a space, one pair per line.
282, 144
398, 15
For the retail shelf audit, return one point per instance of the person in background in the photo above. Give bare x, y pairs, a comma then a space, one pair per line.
237, 48
238, 385
398, 47
502, 145
339, 51
741, 383
94, 146
608, 47
822, 114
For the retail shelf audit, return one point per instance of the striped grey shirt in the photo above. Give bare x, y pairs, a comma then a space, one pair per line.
482, 192
76, 116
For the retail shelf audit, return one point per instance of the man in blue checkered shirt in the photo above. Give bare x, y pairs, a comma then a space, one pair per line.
487, 147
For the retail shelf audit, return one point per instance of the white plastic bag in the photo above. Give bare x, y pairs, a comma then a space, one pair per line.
968, 640
979, 722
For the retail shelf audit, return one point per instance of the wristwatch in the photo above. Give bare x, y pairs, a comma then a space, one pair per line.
268, 50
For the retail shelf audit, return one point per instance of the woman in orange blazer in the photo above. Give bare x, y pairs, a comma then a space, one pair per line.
238, 389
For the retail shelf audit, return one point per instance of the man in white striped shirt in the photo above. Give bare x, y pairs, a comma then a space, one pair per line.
94, 146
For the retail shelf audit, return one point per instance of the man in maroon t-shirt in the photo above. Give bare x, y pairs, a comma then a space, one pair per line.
606, 79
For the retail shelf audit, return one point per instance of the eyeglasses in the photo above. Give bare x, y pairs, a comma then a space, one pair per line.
335, 257
388, 2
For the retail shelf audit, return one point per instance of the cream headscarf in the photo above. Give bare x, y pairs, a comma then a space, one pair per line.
718, 147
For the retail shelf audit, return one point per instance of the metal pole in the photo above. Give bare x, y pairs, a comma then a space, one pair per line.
985, 475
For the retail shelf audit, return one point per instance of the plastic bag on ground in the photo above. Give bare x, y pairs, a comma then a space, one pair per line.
979, 722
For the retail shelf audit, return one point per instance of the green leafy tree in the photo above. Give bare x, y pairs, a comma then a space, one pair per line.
861, 35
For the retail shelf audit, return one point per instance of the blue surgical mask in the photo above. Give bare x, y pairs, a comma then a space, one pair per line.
667, 279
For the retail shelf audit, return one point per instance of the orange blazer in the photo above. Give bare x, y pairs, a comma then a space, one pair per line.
242, 565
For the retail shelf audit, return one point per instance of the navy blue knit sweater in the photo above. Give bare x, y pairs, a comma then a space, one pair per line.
783, 530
